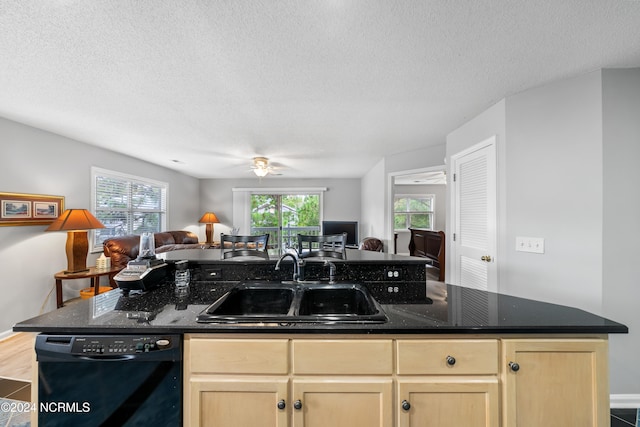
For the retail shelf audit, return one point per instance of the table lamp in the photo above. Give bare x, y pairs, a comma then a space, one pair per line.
76, 222
209, 218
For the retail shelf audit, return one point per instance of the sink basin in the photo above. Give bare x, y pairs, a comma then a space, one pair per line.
346, 300
265, 302
248, 300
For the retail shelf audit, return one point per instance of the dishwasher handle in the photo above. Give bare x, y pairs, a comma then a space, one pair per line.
107, 358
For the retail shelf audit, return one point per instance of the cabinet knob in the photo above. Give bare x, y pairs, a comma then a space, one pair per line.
297, 404
451, 360
514, 366
406, 405
281, 404
486, 258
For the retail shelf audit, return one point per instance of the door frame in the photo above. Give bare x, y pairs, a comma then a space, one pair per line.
391, 176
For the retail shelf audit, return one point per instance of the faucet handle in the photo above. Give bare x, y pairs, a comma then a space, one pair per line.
332, 271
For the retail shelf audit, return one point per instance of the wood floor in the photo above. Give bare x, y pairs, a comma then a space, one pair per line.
16, 355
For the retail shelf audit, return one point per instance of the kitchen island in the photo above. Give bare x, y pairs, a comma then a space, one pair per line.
447, 354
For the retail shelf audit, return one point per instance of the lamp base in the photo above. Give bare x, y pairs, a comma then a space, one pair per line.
209, 233
77, 248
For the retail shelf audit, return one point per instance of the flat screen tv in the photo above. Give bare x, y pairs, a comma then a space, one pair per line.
339, 227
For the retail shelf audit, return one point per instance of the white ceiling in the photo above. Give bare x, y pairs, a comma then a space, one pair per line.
421, 178
323, 88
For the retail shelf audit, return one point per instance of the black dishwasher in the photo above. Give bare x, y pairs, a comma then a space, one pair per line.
109, 380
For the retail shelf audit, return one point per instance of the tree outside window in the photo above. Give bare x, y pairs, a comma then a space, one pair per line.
283, 216
413, 211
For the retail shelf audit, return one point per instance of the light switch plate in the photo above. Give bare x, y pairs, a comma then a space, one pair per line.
530, 244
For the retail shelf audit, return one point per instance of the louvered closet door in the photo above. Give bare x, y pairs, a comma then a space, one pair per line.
475, 217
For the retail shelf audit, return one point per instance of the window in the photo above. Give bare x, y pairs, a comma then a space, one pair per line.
283, 216
127, 204
415, 211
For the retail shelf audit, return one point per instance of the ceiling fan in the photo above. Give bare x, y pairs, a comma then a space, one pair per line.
262, 168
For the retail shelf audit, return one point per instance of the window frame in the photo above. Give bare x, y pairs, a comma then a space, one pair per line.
288, 192
407, 212
130, 211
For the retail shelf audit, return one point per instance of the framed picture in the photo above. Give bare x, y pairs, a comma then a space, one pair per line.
45, 210
29, 209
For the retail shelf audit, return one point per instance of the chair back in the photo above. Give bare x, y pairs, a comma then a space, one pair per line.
235, 246
332, 246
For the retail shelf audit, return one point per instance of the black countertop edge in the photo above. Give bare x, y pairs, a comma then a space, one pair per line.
333, 330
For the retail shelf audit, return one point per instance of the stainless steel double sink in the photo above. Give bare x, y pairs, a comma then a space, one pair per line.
274, 302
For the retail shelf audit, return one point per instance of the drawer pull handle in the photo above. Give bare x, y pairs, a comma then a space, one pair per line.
451, 360
282, 404
514, 366
297, 404
406, 405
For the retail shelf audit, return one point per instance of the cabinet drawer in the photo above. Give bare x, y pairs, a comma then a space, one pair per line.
224, 356
430, 357
342, 357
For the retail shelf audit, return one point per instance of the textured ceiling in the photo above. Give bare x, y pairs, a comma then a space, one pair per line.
323, 88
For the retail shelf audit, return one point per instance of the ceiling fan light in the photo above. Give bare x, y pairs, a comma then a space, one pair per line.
260, 166
261, 172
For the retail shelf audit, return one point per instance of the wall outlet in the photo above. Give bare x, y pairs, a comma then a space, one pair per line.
393, 273
530, 244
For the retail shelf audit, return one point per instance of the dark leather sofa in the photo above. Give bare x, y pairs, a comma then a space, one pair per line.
123, 249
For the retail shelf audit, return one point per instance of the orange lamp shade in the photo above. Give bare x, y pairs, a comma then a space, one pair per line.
209, 218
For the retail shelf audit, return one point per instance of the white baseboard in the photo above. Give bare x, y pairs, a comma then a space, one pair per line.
622, 401
6, 334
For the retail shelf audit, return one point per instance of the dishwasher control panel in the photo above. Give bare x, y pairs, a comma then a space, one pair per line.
119, 345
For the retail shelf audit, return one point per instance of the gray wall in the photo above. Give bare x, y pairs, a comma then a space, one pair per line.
341, 200
373, 199
39, 162
567, 166
431, 156
554, 191
621, 223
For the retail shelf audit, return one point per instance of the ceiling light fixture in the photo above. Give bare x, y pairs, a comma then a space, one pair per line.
261, 166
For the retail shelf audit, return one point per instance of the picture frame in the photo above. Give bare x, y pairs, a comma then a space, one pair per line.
18, 209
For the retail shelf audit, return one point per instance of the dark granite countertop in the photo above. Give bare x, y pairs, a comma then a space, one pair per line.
448, 310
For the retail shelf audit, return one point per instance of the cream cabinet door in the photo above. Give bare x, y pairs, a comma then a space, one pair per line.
555, 383
342, 402
448, 402
238, 402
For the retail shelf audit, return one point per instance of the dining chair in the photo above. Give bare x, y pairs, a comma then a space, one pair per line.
246, 246
331, 246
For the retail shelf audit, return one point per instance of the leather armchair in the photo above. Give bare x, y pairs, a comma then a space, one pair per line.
371, 244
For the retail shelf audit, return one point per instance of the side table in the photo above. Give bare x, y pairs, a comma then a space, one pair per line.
92, 273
